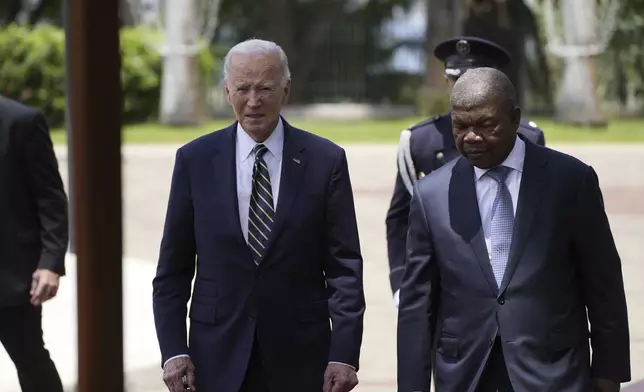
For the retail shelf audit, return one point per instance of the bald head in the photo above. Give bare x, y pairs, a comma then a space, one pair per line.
483, 86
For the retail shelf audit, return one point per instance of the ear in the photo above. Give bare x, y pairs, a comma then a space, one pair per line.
227, 91
287, 92
449, 83
515, 116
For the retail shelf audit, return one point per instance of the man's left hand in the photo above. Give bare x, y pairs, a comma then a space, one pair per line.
44, 286
339, 378
604, 385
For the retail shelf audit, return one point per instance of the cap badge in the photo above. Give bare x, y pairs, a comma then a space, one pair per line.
463, 47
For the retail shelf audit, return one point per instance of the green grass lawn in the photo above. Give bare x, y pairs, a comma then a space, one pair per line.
378, 131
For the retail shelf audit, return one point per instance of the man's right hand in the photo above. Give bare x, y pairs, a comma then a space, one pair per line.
174, 372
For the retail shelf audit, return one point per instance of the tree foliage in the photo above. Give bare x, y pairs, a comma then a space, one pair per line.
45, 10
334, 46
622, 66
33, 70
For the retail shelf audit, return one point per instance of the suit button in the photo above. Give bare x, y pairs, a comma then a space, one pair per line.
251, 318
501, 300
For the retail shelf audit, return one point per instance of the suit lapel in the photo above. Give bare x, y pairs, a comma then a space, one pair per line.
465, 216
533, 186
225, 161
293, 165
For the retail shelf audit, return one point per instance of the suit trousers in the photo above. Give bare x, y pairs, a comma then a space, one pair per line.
255, 379
495, 376
21, 335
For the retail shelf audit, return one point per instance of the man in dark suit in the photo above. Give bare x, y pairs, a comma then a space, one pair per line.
428, 145
33, 241
510, 252
267, 210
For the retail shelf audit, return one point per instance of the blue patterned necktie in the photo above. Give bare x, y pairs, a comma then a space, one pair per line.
502, 223
261, 212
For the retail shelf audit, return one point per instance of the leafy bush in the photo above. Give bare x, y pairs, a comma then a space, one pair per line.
32, 70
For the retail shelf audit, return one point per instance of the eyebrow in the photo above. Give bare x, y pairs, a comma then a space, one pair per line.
262, 84
469, 118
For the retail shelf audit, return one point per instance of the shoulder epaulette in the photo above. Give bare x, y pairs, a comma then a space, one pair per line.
430, 120
529, 124
405, 161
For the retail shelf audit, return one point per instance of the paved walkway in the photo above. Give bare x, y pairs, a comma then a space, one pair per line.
146, 181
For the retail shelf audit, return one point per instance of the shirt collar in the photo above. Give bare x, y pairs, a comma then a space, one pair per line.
514, 160
274, 143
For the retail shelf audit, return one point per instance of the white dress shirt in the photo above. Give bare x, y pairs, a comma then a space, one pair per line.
486, 192
245, 160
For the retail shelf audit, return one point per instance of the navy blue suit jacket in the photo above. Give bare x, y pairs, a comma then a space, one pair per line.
310, 275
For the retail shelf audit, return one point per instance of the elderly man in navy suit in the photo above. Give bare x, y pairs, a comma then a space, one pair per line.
264, 213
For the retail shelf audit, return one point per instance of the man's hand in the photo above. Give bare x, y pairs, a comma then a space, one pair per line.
44, 286
339, 378
178, 370
604, 385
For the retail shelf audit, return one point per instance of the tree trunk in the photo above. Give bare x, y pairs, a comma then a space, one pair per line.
536, 72
494, 20
180, 93
440, 27
279, 26
12, 9
300, 49
577, 101
129, 12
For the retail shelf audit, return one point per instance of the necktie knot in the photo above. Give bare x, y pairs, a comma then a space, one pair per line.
260, 150
499, 173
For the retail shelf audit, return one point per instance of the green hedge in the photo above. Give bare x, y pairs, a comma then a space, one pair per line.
32, 70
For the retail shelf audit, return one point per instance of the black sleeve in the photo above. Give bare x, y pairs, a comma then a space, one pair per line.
46, 186
600, 269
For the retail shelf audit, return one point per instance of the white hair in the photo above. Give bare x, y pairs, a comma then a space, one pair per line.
259, 46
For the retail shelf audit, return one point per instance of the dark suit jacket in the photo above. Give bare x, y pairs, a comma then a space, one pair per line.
312, 271
33, 203
563, 271
432, 146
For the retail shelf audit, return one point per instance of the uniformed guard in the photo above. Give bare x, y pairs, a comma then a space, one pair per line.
428, 145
